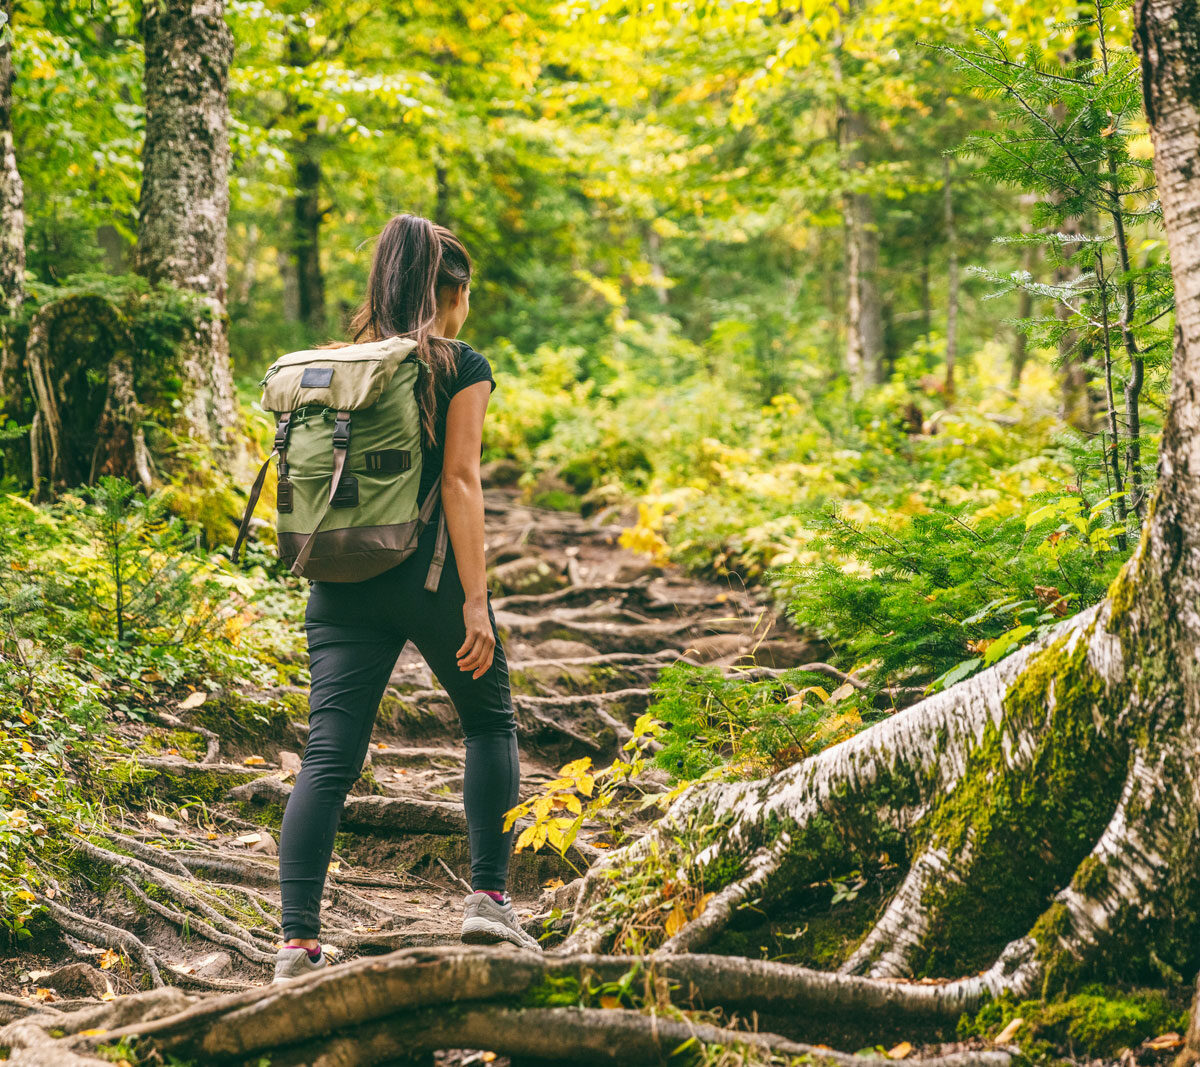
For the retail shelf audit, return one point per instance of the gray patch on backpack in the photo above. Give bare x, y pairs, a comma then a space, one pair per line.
316, 378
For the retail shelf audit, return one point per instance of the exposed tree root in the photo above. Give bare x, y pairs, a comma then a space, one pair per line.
889, 950
95, 932
715, 917
363, 1012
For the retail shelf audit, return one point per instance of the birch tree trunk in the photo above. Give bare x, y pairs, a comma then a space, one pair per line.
12, 228
1046, 812
184, 205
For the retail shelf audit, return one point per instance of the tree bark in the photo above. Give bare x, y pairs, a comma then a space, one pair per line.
12, 230
184, 204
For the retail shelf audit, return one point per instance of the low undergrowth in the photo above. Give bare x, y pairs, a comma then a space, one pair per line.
110, 611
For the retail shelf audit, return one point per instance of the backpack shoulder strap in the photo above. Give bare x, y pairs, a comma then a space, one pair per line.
280, 450
341, 443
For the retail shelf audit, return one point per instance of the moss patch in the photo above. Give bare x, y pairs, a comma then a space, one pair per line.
1096, 1021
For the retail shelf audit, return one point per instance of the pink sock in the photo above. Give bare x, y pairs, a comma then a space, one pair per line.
313, 953
499, 898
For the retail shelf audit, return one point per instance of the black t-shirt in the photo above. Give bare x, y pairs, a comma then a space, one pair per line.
472, 367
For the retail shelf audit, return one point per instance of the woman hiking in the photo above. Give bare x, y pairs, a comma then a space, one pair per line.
418, 288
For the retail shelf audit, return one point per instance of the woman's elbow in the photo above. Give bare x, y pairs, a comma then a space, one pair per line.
461, 480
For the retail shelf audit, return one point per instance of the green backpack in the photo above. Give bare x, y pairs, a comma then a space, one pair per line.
348, 442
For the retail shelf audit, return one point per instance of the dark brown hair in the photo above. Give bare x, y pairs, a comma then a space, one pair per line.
413, 259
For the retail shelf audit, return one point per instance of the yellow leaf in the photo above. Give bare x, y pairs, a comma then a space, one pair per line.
335, 866
41, 993
576, 767
108, 959
24, 894
701, 904
91, 1033
193, 700
572, 803
900, 1051
676, 921
585, 784
254, 761
553, 883
610, 1002
525, 839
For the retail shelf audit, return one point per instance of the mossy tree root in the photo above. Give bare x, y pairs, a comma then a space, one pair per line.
895, 942
522, 1004
1052, 777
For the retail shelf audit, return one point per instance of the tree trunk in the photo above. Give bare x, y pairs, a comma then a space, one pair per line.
306, 231
1046, 812
307, 215
12, 230
184, 205
864, 317
951, 283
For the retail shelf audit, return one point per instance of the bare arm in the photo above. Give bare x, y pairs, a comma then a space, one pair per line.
462, 499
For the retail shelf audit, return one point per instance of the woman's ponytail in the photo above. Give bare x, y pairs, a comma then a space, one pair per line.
414, 258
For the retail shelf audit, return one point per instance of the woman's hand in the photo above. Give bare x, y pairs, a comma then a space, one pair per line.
480, 643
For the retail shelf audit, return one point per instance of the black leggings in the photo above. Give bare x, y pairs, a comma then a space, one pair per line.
356, 631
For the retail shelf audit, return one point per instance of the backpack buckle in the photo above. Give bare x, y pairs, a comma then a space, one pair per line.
341, 430
281, 431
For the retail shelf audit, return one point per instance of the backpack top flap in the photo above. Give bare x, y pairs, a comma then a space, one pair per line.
345, 379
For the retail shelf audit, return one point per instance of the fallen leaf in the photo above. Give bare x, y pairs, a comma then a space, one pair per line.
249, 839
253, 761
172, 752
1165, 1041
211, 836
609, 1001
109, 959
359, 929
44, 994
701, 904
335, 866
1009, 1032
91, 1033
553, 883
487, 1057
900, 1051
841, 692
161, 821
676, 921
193, 700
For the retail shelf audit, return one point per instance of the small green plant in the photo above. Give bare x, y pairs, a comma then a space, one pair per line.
582, 793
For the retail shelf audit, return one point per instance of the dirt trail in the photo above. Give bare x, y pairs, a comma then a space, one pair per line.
193, 901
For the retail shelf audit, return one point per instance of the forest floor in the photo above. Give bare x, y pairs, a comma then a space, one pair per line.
183, 886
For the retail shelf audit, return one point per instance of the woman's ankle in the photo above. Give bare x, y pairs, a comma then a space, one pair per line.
310, 943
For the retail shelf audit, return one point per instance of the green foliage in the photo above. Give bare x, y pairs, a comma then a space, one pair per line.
747, 728
945, 594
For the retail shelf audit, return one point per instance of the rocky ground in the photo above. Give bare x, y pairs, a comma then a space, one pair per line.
183, 891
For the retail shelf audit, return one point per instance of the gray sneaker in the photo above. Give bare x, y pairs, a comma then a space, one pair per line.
294, 962
487, 923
